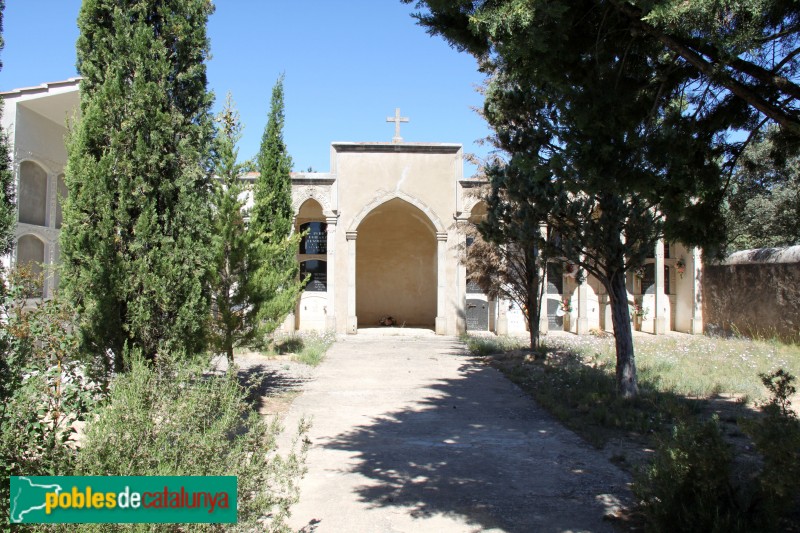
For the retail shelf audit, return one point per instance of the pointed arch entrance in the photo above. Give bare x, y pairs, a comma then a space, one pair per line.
397, 266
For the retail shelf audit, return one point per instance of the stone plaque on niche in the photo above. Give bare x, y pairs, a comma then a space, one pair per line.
318, 272
316, 240
477, 315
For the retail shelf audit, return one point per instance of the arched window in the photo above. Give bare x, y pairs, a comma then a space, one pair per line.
32, 194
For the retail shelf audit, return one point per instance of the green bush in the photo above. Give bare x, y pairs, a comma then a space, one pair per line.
687, 487
43, 388
776, 436
308, 347
172, 419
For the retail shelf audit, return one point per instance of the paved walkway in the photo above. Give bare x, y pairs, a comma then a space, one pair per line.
411, 435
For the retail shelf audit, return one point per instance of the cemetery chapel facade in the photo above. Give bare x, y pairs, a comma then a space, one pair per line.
385, 232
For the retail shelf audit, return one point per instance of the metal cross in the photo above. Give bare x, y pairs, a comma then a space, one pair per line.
397, 119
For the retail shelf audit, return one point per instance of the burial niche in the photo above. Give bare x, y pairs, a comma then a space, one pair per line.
315, 238
555, 293
317, 273
477, 312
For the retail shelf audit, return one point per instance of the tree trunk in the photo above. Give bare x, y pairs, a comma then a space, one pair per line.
532, 282
620, 316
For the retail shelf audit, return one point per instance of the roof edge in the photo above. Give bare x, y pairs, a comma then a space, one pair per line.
387, 147
43, 88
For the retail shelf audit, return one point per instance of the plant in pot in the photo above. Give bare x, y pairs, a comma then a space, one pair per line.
639, 313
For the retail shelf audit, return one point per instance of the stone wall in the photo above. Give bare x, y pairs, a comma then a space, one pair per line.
754, 292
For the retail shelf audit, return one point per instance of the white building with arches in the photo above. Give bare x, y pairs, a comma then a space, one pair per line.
385, 232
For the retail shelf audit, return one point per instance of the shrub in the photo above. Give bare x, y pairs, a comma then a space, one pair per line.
308, 347
173, 420
776, 436
43, 387
687, 487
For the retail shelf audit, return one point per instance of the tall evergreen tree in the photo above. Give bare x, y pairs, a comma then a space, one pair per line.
235, 307
8, 217
598, 131
8, 213
763, 202
136, 240
276, 280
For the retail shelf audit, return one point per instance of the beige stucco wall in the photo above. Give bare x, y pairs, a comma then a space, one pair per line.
396, 266
415, 186
39, 138
35, 121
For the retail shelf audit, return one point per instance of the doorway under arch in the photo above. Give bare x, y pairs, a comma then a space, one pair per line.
396, 266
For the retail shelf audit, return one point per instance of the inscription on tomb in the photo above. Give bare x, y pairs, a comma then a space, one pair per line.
477, 315
318, 272
316, 240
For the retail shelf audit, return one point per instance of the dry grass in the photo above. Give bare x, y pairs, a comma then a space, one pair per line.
677, 375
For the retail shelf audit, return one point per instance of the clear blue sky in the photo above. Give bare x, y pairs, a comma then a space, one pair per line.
348, 64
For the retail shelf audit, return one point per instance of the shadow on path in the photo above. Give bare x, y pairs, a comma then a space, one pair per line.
477, 448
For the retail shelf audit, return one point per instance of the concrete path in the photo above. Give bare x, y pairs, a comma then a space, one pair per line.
409, 434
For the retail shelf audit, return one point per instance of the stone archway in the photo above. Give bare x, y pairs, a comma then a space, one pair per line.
396, 266
479, 307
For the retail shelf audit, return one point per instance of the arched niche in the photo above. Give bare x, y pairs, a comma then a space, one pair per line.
32, 194
478, 212
310, 220
396, 265
310, 210
61, 189
30, 254
476, 216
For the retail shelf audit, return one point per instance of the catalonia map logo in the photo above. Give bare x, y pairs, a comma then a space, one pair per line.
123, 499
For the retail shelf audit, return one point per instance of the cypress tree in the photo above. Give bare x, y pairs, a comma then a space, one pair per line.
136, 240
7, 220
7, 206
235, 307
276, 280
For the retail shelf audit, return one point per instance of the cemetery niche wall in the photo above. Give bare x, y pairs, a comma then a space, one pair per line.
382, 234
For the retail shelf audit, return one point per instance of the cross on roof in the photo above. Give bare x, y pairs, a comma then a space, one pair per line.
397, 119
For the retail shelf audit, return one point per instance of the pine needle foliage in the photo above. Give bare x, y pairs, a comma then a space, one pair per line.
600, 130
235, 307
276, 281
135, 241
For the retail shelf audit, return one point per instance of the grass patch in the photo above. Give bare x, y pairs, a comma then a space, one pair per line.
483, 346
582, 395
307, 347
576, 381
